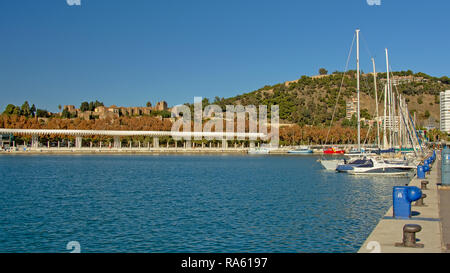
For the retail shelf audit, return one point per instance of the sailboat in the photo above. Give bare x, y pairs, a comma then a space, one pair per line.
400, 128
361, 159
379, 165
334, 164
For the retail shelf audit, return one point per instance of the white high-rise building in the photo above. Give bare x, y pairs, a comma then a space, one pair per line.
445, 111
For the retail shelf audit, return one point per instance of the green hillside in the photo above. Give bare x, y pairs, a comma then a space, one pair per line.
311, 100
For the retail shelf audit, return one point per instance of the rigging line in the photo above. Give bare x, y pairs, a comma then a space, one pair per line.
379, 101
371, 56
367, 135
370, 126
340, 88
368, 131
369, 89
366, 46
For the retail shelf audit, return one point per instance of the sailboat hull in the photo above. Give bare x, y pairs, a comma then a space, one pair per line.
331, 165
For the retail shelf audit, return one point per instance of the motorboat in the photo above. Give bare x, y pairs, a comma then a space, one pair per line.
359, 162
379, 166
333, 151
301, 150
264, 149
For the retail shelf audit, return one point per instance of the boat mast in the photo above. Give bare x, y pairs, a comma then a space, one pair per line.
384, 118
357, 88
390, 116
400, 123
394, 119
376, 101
389, 98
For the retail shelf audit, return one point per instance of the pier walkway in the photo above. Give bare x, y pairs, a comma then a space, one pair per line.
445, 216
435, 223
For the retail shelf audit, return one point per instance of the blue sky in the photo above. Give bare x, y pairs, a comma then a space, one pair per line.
130, 52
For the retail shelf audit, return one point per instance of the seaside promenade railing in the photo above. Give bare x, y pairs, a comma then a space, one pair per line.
187, 137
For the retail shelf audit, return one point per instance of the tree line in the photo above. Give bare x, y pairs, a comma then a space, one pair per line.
90, 106
289, 135
25, 110
292, 135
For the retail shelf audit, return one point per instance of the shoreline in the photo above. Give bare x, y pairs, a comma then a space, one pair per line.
152, 151
119, 152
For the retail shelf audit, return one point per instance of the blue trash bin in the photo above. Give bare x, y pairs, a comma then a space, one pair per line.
420, 172
402, 198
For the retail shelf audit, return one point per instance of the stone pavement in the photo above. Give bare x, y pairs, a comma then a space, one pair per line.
445, 217
389, 231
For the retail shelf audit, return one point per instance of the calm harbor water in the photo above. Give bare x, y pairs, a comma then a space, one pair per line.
185, 203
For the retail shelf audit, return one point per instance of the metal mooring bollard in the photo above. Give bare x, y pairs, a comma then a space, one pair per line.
423, 185
420, 203
409, 236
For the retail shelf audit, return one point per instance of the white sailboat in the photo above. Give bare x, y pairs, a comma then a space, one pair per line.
333, 163
356, 155
394, 115
387, 166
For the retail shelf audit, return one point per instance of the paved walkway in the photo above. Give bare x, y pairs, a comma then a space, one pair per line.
444, 195
390, 231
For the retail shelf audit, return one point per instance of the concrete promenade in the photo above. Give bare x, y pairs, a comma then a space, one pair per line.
82, 144
389, 231
145, 150
444, 195
125, 150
